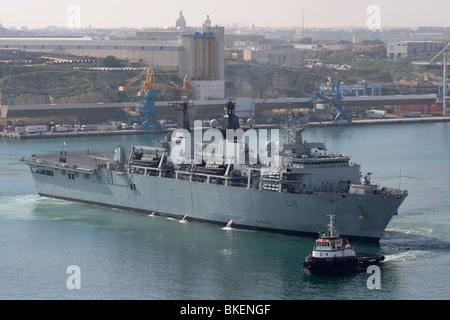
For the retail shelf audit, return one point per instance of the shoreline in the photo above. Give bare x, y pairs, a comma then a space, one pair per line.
382, 121
388, 120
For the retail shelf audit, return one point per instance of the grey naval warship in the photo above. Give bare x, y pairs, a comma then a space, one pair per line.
293, 195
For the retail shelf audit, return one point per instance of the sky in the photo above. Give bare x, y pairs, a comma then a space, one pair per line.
261, 13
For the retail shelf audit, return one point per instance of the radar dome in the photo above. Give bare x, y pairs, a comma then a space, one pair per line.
214, 123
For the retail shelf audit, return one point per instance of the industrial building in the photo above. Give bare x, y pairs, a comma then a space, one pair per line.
203, 54
291, 59
165, 54
199, 53
401, 49
201, 109
102, 112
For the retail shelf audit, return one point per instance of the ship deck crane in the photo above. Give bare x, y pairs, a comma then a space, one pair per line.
148, 88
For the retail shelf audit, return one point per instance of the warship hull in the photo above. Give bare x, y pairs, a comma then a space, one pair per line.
359, 216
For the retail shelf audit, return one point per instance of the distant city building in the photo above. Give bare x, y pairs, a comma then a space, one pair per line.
291, 59
401, 49
166, 54
181, 21
356, 39
200, 54
236, 41
208, 90
203, 56
206, 24
161, 34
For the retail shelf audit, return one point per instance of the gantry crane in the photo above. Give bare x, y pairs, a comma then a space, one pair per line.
148, 88
444, 83
334, 99
333, 93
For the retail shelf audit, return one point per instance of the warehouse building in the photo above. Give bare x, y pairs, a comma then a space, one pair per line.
199, 53
401, 49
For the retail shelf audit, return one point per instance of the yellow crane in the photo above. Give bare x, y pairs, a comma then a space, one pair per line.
150, 84
148, 88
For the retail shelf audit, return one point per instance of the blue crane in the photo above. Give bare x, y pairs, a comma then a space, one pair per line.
148, 89
334, 92
334, 99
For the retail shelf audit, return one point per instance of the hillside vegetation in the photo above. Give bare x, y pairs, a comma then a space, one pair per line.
64, 84
394, 76
61, 81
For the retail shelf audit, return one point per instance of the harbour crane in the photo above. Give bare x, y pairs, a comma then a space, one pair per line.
148, 88
335, 100
333, 92
444, 83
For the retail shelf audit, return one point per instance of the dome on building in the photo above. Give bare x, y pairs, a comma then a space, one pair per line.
181, 21
207, 23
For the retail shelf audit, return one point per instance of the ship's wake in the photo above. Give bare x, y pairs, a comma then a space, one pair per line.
405, 245
18, 207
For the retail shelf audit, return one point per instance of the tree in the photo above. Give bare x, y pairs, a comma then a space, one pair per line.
306, 40
112, 62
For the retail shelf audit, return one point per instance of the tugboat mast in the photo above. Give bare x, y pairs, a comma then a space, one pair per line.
332, 230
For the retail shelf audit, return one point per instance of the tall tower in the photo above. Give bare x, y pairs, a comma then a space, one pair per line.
206, 24
181, 21
203, 60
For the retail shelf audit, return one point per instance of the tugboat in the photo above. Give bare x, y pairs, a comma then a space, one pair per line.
333, 254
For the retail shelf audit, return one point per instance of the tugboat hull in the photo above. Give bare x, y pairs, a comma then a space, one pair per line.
331, 265
341, 265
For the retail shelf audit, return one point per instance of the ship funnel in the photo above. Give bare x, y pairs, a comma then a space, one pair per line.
270, 147
120, 156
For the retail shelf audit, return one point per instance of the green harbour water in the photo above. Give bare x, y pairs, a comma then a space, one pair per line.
128, 255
